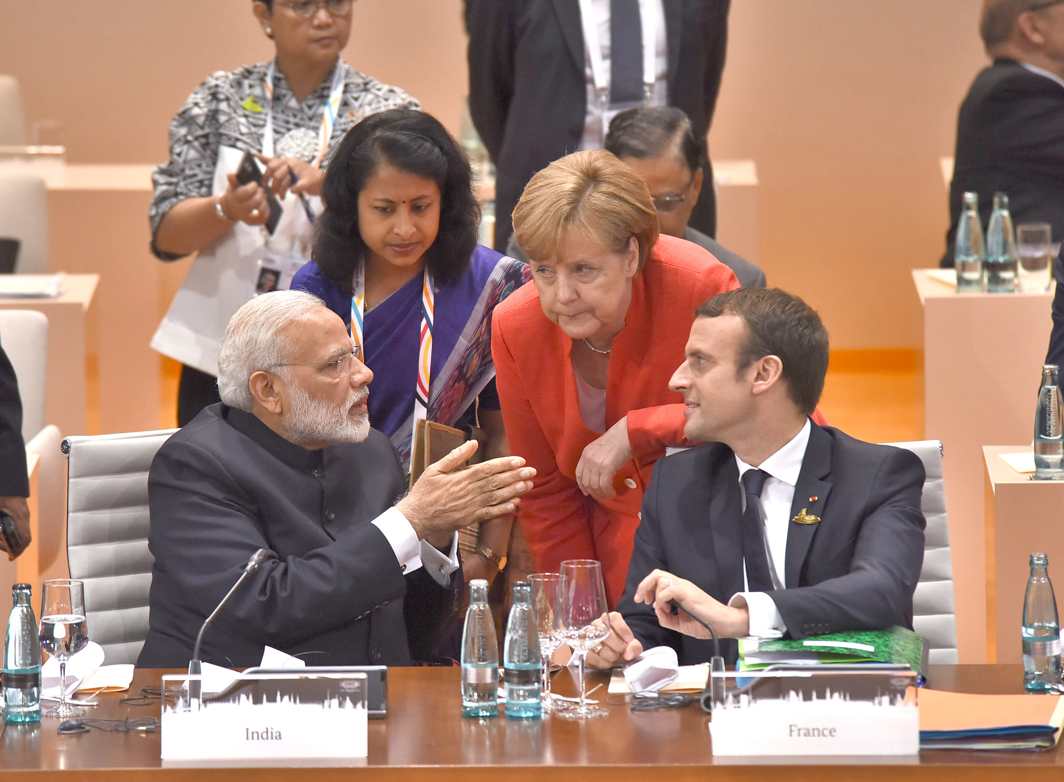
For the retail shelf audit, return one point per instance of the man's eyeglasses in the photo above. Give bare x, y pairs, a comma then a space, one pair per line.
307, 8
669, 202
336, 368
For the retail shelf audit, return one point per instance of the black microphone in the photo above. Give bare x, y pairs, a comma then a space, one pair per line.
194, 665
714, 689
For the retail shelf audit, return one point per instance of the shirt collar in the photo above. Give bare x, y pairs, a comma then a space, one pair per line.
1043, 72
288, 452
786, 463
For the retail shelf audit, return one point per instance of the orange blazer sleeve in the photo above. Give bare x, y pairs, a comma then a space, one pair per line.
555, 515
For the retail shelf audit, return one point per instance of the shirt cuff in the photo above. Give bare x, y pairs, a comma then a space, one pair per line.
401, 537
765, 619
439, 565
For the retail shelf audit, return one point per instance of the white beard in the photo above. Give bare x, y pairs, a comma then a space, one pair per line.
315, 420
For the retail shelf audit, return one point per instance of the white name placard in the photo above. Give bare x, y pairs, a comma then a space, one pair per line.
263, 725
817, 727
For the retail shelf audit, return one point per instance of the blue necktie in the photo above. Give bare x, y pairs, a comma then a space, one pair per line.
626, 52
758, 577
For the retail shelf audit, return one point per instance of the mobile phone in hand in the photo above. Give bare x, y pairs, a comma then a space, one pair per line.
249, 171
13, 540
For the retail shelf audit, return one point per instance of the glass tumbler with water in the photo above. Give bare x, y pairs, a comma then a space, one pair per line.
969, 251
583, 604
1035, 253
1049, 427
64, 631
480, 656
1040, 630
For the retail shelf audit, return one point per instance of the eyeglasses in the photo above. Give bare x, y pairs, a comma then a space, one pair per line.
307, 8
335, 369
669, 202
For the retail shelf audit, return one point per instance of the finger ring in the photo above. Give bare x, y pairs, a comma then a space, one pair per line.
255, 214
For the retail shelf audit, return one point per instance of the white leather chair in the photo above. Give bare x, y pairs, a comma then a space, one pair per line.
933, 612
24, 337
24, 216
12, 118
107, 534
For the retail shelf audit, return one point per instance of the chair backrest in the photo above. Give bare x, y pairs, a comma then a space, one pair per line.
24, 216
107, 534
933, 612
24, 337
12, 119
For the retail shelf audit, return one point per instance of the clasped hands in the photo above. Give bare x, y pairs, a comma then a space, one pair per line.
663, 591
449, 495
247, 203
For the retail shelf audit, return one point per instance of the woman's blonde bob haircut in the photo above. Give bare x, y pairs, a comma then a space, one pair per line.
593, 192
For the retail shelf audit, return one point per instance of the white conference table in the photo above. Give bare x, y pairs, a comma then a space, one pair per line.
98, 223
982, 359
1022, 516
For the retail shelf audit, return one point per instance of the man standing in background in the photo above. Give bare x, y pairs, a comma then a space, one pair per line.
1010, 127
547, 76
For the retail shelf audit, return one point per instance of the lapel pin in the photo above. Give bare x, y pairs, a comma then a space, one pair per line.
806, 518
814, 498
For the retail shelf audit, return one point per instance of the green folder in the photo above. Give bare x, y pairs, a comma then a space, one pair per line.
894, 645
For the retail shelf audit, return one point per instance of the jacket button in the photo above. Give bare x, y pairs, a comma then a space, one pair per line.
630, 483
330, 516
318, 473
375, 655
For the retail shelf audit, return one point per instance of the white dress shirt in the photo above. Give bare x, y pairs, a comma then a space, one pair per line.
777, 494
597, 13
1043, 72
412, 553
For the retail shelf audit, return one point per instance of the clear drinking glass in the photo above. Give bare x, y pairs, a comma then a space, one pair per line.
64, 631
1034, 248
583, 601
546, 611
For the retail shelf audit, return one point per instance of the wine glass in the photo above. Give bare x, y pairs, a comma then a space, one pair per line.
63, 630
583, 602
546, 612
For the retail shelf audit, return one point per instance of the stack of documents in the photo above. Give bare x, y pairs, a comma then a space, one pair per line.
897, 645
953, 720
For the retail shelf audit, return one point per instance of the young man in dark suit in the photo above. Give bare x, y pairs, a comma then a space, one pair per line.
1010, 127
776, 525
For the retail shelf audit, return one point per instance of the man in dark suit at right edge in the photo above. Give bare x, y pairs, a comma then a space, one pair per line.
1010, 130
775, 526
14, 482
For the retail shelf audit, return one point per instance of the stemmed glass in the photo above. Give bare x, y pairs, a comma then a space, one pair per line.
583, 601
546, 611
63, 630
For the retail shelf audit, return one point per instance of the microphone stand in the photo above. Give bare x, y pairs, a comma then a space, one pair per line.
195, 668
714, 689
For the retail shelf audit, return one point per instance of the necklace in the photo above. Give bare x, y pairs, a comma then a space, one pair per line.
594, 349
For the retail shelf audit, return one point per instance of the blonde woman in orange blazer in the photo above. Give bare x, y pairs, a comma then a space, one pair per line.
583, 355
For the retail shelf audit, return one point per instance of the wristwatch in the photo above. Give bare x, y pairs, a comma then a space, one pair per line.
492, 557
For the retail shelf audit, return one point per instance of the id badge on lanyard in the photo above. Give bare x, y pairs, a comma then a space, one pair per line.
600, 75
423, 384
284, 254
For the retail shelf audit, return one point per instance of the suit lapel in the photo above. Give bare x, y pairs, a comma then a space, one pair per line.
568, 12
725, 521
810, 495
673, 34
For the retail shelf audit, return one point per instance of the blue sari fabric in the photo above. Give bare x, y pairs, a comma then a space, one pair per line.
462, 369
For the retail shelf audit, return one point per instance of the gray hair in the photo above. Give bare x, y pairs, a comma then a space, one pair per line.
998, 19
252, 341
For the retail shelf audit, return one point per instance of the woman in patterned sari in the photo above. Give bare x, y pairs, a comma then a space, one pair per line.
396, 257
